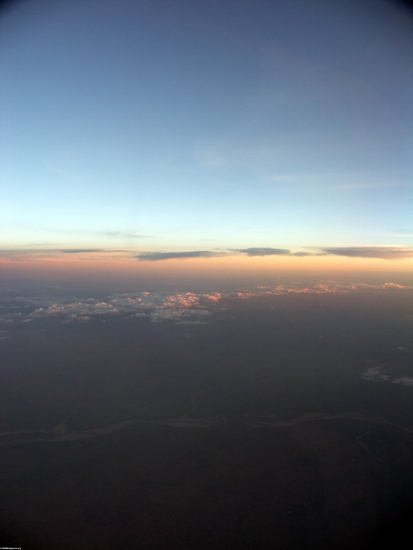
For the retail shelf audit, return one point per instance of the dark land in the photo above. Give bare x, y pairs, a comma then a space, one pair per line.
283, 422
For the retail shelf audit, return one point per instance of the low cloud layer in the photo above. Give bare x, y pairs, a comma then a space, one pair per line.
178, 307
181, 308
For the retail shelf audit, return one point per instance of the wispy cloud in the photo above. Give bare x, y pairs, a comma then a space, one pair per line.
264, 251
27, 254
124, 235
329, 181
376, 374
383, 252
405, 381
254, 251
112, 234
156, 256
301, 253
80, 250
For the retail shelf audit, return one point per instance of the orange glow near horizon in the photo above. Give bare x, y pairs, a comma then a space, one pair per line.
99, 266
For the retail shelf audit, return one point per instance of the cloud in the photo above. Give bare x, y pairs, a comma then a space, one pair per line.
9, 252
301, 254
264, 251
124, 235
406, 381
114, 234
392, 286
179, 307
255, 251
42, 253
383, 252
383, 373
80, 250
375, 374
156, 256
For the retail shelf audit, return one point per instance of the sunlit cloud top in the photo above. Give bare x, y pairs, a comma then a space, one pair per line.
178, 307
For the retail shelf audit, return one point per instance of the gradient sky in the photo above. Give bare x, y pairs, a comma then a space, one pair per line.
147, 127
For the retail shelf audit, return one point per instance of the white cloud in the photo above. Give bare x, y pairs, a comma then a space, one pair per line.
186, 307
383, 373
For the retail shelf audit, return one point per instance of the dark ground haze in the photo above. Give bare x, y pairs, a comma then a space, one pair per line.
269, 421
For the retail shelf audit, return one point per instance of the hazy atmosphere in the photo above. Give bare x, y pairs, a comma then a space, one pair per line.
206, 265
135, 128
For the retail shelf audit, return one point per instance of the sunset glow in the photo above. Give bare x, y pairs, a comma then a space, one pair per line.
186, 145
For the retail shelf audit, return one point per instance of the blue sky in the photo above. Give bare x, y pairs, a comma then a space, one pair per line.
173, 126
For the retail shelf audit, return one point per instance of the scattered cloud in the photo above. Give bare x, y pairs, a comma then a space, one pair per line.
383, 252
178, 307
181, 308
386, 373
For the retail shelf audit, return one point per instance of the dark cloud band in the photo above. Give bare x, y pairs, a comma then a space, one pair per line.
156, 256
383, 252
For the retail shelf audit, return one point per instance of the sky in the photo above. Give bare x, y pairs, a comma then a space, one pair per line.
148, 134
